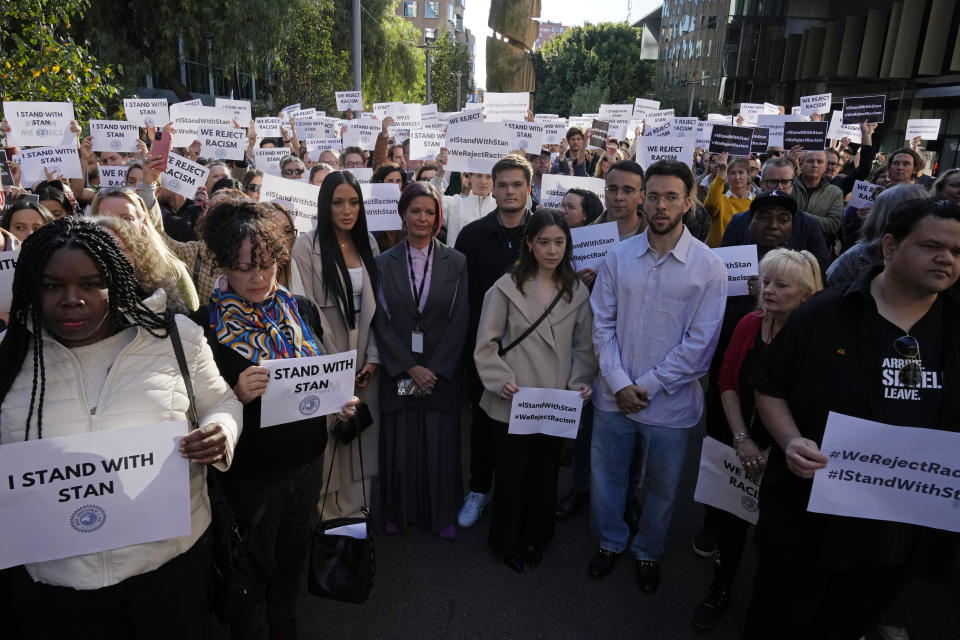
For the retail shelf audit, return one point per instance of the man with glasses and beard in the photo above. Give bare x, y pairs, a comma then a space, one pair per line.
886, 348
657, 305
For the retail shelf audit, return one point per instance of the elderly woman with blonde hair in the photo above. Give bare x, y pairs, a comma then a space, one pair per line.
152, 260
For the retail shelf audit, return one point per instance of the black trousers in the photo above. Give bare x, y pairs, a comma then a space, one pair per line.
279, 540
525, 504
482, 440
172, 601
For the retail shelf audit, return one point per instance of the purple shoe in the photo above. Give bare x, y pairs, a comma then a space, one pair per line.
448, 533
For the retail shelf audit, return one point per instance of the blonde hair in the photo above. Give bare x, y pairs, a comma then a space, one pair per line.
598, 170
800, 267
151, 260
124, 194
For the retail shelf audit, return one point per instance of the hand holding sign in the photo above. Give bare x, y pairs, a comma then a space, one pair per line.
205, 445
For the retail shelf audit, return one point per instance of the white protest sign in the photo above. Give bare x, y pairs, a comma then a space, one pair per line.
386, 109
92, 492
618, 111
642, 106
322, 144
819, 103
363, 174
724, 484
114, 135
884, 472
152, 112
8, 263
719, 118
704, 133
268, 160
429, 115
362, 133
425, 144
302, 195
184, 176
505, 106
222, 143
925, 128
407, 116
591, 243
659, 131
305, 388
554, 131
553, 412
112, 177
580, 121
60, 161
683, 126
242, 111
302, 114
289, 109
268, 127
529, 135
476, 146
863, 194
34, 124
187, 120
545, 117
749, 112
658, 118
838, 130
651, 149
555, 185
380, 206
398, 134
196, 102
467, 115
742, 263
349, 100
775, 124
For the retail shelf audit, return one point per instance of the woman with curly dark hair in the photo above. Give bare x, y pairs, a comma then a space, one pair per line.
274, 484
85, 353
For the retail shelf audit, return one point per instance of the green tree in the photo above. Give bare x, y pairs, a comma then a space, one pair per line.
596, 63
448, 58
41, 61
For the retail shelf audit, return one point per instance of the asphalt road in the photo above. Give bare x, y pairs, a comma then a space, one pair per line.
427, 587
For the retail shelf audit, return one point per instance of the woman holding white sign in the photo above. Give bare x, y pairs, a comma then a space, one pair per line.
421, 327
336, 265
541, 291
788, 279
84, 354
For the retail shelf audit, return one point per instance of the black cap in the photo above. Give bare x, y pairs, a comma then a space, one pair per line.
774, 199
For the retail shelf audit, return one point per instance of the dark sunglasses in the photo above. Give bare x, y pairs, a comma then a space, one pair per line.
253, 187
911, 374
293, 172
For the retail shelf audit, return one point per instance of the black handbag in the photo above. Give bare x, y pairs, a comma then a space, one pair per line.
341, 568
345, 432
238, 579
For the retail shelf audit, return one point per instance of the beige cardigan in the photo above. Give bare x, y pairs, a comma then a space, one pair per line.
557, 355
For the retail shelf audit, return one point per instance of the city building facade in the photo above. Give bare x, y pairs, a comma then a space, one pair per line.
547, 31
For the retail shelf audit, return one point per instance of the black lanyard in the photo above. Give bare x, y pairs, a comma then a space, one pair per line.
418, 293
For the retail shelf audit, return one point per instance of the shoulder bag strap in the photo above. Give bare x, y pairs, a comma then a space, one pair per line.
184, 370
536, 323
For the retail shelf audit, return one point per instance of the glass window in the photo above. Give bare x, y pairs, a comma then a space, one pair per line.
451, 13
430, 34
410, 8
431, 9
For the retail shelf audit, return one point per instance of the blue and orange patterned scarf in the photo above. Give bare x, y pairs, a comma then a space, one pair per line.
270, 330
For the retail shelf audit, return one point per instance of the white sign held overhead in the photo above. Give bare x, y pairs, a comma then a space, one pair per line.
242, 111
651, 149
186, 122
863, 194
114, 135
268, 160
58, 161
112, 177
349, 100
838, 130
476, 146
723, 483
741, 262
222, 143
884, 472
529, 135
555, 185
268, 127
380, 206
90, 492
305, 388
591, 243
34, 124
362, 133
425, 144
775, 124
554, 131
553, 412
184, 176
925, 128
302, 195
8, 265
816, 104
642, 105
363, 174
152, 112
505, 106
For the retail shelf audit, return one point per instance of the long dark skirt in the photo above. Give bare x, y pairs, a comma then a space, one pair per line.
420, 477
525, 502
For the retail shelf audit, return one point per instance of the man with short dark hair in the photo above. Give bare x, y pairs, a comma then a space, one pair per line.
886, 349
815, 194
352, 158
578, 160
904, 166
490, 244
657, 306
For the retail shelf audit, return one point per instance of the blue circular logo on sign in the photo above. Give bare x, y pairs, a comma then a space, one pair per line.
88, 518
148, 121
172, 184
221, 153
750, 504
115, 145
43, 132
309, 405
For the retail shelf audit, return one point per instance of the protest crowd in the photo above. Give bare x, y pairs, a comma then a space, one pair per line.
269, 334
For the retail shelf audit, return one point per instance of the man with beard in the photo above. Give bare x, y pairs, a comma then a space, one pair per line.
657, 304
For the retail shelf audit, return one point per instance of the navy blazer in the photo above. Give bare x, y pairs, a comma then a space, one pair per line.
806, 235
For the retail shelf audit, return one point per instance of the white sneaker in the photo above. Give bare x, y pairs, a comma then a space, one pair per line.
473, 506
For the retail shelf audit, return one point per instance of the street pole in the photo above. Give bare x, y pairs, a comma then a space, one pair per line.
428, 75
690, 105
357, 80
459, 74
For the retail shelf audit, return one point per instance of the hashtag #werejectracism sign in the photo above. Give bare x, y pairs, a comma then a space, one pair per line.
885, 472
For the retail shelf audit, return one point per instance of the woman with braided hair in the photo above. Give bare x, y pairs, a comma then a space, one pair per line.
83, 352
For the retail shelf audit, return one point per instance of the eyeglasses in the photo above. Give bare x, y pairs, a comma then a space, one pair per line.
911, 374
778, 183
833, 164
255, 187
614, 190
293, 172
669, 198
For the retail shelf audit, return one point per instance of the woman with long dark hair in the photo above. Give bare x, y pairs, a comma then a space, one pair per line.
23, 218
421, 327
84, 353
558, 354
336, 265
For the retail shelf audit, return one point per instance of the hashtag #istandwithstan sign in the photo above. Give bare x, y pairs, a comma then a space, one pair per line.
884, 472
553, 412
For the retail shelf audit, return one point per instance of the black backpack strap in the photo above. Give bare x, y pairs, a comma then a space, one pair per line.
503, 350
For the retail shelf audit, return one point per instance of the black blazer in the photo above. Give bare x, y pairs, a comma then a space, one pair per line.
444, 327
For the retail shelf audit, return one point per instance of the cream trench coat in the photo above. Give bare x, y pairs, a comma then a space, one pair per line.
558, 354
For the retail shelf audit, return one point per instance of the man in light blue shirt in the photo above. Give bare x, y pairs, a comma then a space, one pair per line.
657, 309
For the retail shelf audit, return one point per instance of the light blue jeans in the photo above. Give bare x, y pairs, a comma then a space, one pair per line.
611, 452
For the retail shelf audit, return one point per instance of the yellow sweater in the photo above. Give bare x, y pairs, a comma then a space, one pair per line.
721, 208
